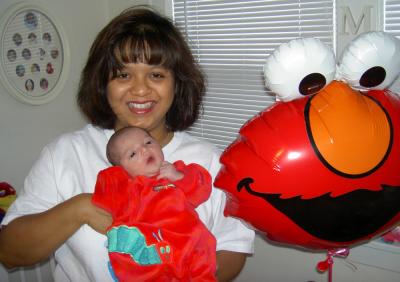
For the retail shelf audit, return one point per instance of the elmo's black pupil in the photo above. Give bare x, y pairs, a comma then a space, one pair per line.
373, 77
311, 84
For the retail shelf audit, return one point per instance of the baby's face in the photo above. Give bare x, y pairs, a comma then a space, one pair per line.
139, 153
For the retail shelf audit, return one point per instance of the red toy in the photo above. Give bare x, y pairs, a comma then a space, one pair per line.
321, 169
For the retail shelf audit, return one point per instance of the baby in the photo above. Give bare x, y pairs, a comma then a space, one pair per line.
156, 233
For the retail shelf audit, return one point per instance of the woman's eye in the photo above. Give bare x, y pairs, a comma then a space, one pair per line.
132, 155
149, 142
157, 75
122, 75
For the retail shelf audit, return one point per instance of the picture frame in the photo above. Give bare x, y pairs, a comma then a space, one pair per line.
34, 54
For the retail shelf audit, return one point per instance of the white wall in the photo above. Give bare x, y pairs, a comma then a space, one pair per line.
25, 129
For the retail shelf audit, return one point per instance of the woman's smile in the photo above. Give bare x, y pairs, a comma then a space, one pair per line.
141, 107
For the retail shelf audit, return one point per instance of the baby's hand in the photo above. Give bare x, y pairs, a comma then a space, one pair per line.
168, 171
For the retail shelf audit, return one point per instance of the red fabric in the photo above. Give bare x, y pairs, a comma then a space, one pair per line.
134, 202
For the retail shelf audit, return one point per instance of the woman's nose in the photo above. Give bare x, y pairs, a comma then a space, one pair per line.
140, 87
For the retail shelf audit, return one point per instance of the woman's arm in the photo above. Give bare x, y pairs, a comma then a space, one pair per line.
32, 238
229, 265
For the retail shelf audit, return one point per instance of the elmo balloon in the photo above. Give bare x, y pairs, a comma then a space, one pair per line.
321, 168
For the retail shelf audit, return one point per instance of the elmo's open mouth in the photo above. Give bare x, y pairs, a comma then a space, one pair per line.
340, 219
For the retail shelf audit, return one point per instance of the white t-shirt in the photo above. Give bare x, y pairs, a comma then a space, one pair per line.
69, 165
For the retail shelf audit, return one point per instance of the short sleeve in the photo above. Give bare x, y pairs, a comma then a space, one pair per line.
40, 189
231, 233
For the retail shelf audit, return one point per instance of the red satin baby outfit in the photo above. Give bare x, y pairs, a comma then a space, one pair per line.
156, 234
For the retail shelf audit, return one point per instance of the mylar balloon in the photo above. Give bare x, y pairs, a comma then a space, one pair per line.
285, 68
371, 62
321, 171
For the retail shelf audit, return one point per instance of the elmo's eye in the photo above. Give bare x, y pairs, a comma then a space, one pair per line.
298, 68
371, 61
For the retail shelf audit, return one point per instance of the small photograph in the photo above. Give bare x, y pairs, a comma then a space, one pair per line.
29, 85
31, 20
42, 53
17, 38
49, 68
46, 38
44, 84
11, 55
20, 70
32, 38
35, 68
54, 53
26, 54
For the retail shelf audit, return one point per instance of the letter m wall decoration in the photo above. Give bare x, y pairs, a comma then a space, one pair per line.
355, 17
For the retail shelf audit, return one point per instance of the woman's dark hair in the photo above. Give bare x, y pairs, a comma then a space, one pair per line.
140, 35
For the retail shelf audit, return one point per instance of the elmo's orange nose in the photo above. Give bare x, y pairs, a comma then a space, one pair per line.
350, 132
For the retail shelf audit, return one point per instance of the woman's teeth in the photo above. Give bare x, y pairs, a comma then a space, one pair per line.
140, 106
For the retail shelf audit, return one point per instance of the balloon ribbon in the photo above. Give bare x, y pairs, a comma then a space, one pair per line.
327, 264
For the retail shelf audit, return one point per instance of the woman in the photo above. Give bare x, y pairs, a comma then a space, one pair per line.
139, 72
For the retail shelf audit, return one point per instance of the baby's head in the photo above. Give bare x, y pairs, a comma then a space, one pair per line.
136, 151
